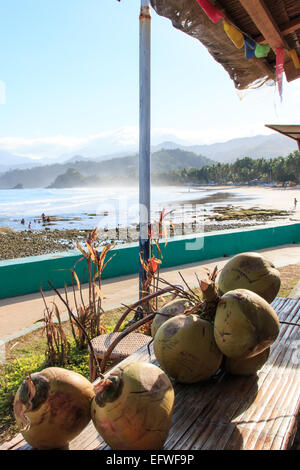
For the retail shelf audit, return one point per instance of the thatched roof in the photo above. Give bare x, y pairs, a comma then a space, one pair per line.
290, 130
276, 22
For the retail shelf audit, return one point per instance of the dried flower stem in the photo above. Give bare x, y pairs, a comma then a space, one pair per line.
82, 329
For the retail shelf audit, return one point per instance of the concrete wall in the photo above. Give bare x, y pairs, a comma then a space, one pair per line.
26, 275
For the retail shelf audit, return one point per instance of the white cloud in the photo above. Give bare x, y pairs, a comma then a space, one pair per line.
53, 147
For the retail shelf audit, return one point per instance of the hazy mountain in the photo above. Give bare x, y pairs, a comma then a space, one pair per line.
119, 143
260, 146
70, 178
124, 142
77, 158
266, 146
9, 161
120, 170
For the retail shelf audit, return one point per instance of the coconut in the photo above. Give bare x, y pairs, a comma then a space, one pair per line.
245, 324
54, 404
133, 407
246, 366
176, 307
250, 271
185, 348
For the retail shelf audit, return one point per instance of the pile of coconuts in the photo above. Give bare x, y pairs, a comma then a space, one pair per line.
232, 327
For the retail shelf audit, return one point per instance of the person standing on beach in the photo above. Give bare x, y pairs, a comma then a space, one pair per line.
295, 203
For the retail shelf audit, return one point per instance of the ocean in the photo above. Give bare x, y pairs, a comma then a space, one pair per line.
84, 208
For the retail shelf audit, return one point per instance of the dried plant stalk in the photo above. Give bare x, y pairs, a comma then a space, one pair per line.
58, 346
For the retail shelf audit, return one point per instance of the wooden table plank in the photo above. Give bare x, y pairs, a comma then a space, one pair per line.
229, 412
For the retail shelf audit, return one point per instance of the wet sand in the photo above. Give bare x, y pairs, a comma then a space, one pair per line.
269, 197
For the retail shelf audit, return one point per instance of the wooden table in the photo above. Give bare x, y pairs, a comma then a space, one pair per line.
230, 412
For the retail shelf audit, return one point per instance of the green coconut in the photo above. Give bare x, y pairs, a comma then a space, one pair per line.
245, 324
246, 366
250, 271
186, 349
53, 407
176, 307
133, 407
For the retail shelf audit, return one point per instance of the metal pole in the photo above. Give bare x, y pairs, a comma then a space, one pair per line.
144, 140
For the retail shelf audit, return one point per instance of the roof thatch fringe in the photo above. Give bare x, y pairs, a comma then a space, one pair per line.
187, 16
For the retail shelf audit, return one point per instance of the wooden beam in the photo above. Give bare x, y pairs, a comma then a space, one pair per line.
290, 27
285, 29
291, 72
261, 16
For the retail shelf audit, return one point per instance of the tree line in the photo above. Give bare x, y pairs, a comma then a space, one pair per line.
244, 170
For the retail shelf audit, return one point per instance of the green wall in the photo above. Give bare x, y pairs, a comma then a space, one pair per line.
26, 275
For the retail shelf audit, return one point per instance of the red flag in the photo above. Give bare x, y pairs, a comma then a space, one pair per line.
153, 265
212, 12
279, 68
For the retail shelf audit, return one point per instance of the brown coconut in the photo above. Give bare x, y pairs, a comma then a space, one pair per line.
246, 366
186, 349
250, 271
245, 324
171, 309
133, 407
53, 407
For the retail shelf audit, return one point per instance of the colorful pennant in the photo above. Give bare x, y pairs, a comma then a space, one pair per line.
234, 34
250, 46
252, 49
262, 50
294, 56
212, 12
279, 68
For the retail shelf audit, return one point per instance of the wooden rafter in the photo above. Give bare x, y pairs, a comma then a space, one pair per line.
291, 72
290, 26
263, 19
285, 29
261, 16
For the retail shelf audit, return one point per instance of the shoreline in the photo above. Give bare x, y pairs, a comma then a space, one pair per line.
227, 208
21, 244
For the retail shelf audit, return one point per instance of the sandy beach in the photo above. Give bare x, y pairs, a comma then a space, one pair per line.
226, 208
270, 197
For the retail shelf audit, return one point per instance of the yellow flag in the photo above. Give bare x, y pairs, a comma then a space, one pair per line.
234, 34
294, 56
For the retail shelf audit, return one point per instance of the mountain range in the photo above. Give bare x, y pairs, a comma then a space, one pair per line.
267, 146
10, 161
260, 146
85, 172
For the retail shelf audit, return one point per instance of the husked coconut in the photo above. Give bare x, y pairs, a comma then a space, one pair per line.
133, 407
246, 366
245, 324
250, 271
53, 407
186, 349
176, 307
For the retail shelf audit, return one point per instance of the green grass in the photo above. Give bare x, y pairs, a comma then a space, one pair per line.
286, 290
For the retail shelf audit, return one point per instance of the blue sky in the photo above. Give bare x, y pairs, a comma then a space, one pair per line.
70, 69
